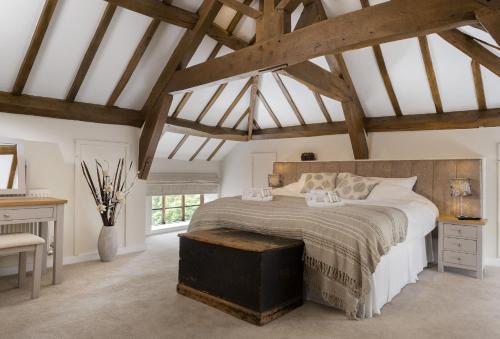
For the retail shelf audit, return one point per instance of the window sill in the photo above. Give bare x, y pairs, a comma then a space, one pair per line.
167, 228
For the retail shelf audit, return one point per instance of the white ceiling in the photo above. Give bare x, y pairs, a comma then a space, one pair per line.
74, 23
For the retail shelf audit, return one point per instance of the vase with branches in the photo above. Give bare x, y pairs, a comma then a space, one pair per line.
109, 194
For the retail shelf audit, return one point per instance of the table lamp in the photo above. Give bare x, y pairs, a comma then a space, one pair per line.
459, 188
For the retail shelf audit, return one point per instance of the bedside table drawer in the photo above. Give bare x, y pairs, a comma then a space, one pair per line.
463, 245
461, 231
462, 259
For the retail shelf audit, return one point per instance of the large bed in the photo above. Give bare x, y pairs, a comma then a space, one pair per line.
384, 234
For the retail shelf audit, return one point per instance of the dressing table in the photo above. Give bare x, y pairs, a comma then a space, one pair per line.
20, 210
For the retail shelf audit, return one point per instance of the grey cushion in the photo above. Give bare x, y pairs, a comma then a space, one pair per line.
319, 181
354, 187
19, 239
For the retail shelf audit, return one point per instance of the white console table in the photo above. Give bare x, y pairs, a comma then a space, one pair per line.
20, 210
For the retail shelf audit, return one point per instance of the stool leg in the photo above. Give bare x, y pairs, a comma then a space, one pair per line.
21, 273
44, 233
37, 271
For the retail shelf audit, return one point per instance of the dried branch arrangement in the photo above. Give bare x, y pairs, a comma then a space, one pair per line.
109, 195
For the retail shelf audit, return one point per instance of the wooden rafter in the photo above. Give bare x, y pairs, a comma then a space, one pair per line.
431, 75
234, 103
318, 80
289, 98
232, 26
382, 67
195, 154
389, 21
184, 126
181, 104
34, 47
211, 102
242, 8
353, 111
289, 5
473, 49
134, 61
269, 109
184, 50
253, 105
222, 142
478, 85
322, 106
490, 19
106, 18
61, 109
178, 146
151, 134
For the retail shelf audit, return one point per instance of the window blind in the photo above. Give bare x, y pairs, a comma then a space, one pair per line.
182, 183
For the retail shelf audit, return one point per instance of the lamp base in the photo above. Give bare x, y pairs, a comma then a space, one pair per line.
465, 217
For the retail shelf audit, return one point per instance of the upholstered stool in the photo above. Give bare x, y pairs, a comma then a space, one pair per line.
22, 243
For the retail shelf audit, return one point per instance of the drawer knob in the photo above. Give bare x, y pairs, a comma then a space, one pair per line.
6, 215
459, 231
459, 244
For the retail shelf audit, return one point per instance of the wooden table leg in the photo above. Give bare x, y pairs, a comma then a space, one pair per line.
44, 233
58, 249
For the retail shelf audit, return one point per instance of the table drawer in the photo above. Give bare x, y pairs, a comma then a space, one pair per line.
462, 259
463, 245
451, 230
26, 214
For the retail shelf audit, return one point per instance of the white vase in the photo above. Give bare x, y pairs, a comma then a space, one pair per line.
107, 244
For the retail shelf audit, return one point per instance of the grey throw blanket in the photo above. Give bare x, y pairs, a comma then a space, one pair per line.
343, 245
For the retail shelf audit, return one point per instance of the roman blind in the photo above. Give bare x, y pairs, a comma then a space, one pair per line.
182, 183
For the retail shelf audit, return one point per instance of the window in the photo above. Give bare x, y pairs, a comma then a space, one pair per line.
176, 210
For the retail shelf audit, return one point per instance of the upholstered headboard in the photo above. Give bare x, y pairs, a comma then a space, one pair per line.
432, 176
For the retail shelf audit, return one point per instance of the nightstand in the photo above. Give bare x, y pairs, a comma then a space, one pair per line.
460, 244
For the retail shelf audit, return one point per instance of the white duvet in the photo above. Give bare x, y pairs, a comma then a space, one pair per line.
420, 211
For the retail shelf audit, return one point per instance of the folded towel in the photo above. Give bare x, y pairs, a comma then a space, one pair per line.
257, 194
320, 198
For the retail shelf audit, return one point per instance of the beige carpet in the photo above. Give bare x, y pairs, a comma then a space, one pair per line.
134, 297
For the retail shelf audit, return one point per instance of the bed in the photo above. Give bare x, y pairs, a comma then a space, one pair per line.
398, 260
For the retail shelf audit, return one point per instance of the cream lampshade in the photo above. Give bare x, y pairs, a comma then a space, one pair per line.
459, 188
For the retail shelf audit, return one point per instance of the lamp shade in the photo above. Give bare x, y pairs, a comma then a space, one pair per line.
274, 180
460, 187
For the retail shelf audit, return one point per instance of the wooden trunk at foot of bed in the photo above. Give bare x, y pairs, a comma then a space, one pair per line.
432, 183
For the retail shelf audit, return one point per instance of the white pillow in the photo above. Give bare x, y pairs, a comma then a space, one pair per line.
406, 183
388, 191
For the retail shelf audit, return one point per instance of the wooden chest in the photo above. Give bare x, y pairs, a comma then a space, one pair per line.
254, 277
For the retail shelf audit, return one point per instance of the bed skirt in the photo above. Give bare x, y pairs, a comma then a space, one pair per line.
395, 270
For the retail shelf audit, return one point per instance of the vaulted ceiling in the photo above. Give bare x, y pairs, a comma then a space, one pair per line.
108, 61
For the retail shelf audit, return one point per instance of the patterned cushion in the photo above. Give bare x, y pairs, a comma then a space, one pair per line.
354, 187
318, 181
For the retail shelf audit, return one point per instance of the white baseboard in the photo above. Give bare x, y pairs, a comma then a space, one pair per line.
492, 262
76, 259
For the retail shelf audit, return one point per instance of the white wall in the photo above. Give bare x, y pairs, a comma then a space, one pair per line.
165, 165
50, 155
449, 144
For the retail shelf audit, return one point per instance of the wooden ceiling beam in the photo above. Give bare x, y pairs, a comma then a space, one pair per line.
478, 85
322, 106
269, 109
106, 18
318, 80
253, 105
234, 103
289, 98
309, 130
389, 21
433, 121
242, 8
61, 109
490, 20
490, 3
183, 126
473, 49
382, 67
178, 146
134, 61
290, 5
34, 47
211, 102
184, 51
179, 17
431, 75
202, 146
151, 135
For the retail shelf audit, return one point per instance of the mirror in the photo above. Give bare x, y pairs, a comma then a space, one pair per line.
12, 171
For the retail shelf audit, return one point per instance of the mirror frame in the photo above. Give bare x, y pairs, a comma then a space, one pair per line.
21, 168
